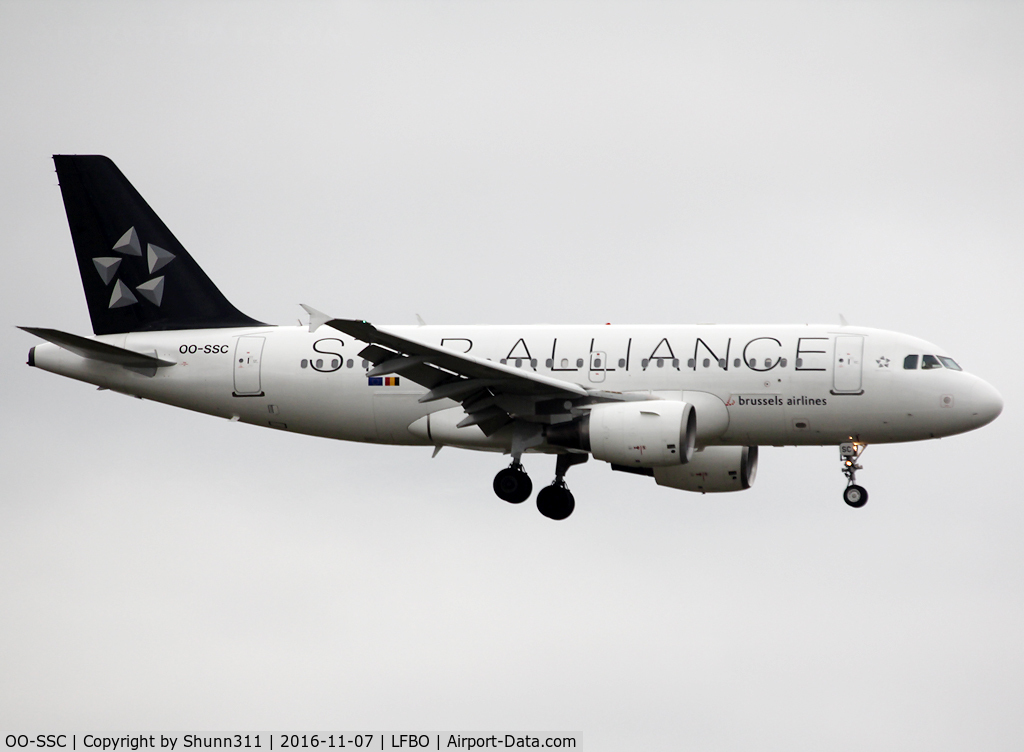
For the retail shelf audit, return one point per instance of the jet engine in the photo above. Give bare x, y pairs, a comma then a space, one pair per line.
714, 469
653, 433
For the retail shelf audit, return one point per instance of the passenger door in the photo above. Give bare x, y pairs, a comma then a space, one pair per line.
248, 353
847, 366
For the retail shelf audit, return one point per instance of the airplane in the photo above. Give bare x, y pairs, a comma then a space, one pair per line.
685, 405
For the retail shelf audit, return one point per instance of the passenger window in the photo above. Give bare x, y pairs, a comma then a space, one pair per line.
622, 362
910, 363
929, 361
950, 363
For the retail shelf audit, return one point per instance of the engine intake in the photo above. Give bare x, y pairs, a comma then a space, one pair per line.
654, 433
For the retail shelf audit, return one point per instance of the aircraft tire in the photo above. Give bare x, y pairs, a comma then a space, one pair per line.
555, 502
855, 496
513, 485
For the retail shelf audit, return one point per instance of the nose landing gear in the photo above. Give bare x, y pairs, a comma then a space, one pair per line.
854, 495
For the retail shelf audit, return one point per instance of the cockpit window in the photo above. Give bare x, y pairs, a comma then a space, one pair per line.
929, 361
910, 362
950, 363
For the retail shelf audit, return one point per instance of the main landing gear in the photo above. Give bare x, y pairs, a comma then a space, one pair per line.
854, 495
513, 484
554, 502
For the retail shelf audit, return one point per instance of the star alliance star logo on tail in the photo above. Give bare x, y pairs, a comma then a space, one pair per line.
128, 246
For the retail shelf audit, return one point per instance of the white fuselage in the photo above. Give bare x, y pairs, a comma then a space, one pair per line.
809, 385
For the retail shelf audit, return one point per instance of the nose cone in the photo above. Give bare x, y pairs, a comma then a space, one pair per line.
986, 404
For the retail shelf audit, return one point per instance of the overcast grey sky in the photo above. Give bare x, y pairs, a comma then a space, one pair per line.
499, 162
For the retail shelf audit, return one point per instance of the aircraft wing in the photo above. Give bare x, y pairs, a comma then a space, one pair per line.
488, 391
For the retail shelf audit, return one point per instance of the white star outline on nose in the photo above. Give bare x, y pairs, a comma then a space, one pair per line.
156, 259
883, 362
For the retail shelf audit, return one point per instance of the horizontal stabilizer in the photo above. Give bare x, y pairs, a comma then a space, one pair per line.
94, 350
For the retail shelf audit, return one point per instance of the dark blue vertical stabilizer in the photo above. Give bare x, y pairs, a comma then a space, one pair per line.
137, 276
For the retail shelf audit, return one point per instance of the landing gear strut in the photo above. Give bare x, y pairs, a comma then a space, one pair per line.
854, 495
556, 501
513, 484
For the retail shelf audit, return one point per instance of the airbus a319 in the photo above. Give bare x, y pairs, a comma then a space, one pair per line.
685, 406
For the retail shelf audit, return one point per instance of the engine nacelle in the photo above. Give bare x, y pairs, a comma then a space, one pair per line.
714, 469
652, 433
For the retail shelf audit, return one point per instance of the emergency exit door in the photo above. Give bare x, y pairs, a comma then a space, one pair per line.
248, 353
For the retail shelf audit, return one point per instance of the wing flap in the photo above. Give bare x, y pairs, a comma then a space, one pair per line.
420, 373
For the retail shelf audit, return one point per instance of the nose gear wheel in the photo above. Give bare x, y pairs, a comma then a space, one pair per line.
854, 495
